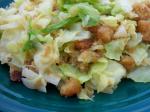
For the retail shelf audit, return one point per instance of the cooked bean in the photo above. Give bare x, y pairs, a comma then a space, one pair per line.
128, 62
105, 34
70, 87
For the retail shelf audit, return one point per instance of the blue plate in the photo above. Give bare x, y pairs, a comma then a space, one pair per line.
14, 97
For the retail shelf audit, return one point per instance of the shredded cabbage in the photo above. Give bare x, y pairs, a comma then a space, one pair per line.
87, 13
139, 53
141, 74
106, 75
121, 32
10, 44
75, 33
87, 57
18, 2
110, 21
46, 56
46, 7
133, 42
125, 5
115, 48
33, 80
71, 71
61, 24
83, 95
130, 27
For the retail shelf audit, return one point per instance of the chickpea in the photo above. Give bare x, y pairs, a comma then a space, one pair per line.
128, 62
70, 87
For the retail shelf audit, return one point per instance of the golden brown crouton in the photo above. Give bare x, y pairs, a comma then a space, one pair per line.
143, 10
102, 33
144, 28
84, 44
93, 29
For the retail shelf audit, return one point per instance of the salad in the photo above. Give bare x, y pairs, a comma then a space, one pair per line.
79, 46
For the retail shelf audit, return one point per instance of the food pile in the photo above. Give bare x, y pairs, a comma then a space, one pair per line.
80, 46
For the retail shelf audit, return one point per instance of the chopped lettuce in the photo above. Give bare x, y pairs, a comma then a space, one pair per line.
115, 48
71, 71
141, 74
